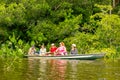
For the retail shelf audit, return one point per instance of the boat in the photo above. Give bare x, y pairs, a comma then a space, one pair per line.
75, 57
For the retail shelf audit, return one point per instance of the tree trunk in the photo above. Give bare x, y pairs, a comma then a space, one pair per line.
115, 2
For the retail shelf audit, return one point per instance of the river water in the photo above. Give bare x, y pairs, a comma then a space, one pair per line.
50, 69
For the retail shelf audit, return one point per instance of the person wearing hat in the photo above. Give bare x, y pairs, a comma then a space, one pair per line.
52, 49
73, 50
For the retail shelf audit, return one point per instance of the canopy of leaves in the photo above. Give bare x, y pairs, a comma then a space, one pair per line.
86, 23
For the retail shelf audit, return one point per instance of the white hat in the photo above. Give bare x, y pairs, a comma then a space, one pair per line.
52, 44
74, 45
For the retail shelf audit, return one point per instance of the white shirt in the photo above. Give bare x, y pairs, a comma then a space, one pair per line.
43, 51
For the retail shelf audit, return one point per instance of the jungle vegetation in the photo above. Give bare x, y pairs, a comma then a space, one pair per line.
94, 25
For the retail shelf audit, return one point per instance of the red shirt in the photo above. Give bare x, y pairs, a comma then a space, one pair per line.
53, 49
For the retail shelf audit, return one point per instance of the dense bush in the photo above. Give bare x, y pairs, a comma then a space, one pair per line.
86, 23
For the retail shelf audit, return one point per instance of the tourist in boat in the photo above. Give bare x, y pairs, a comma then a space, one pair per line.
42, 50
32, 50
61, 50
53, 48
74, 50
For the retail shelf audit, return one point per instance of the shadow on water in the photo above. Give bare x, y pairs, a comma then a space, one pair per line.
51, 69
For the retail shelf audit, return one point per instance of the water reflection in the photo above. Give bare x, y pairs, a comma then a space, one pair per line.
54, 69
69, 70
32, 69
42, 69
75, 70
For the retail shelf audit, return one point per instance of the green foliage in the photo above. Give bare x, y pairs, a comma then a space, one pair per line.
116, 10
87, 23
104, 8
14, 47
102, 35
85, 42
12, 14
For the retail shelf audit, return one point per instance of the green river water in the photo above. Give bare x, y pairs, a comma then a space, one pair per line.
50, 69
